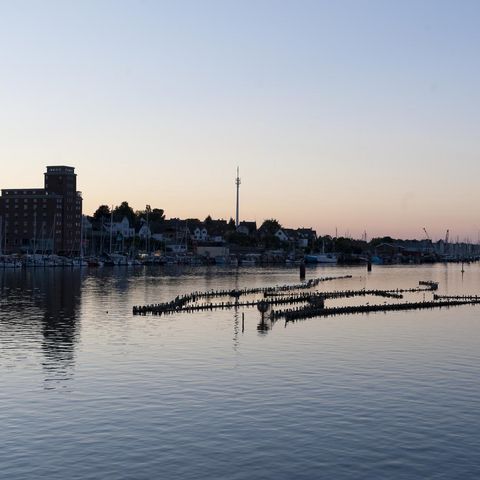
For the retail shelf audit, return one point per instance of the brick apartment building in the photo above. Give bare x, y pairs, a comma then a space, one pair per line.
43, 220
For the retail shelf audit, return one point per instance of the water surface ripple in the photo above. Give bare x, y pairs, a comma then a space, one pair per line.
89, 391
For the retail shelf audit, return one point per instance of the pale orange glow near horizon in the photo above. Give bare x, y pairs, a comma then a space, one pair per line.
323, 205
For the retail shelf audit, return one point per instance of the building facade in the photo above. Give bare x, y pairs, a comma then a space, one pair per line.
43, 220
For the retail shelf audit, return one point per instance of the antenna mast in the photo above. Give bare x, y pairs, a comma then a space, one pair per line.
237, 183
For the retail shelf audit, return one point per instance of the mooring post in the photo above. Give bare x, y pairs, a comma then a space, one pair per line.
369, 265
243, 322
302, 271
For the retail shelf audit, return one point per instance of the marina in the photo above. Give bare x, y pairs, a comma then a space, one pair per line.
239, 240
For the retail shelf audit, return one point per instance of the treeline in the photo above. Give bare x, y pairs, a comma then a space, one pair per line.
353, 246
153, 215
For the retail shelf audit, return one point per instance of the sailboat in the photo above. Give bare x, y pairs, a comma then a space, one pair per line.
329, 258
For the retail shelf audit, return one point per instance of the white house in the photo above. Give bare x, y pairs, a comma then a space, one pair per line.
200, 234
121, 228
144, 231
282, 235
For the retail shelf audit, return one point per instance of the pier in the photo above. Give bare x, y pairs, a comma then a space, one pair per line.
287, 295
311, 312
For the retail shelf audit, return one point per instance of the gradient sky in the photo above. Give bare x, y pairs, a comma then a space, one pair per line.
360, 115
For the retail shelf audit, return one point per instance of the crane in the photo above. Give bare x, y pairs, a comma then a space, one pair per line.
429, 248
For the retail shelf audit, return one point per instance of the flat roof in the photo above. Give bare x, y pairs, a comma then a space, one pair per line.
60, 169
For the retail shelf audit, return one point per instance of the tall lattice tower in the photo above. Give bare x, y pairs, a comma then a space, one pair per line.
237, 215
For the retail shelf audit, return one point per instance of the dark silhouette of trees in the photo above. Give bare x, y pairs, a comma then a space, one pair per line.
231, 225
103, 211
124, 210
270, 226
154, 215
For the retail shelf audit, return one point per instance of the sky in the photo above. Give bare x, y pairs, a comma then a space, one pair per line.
346, 116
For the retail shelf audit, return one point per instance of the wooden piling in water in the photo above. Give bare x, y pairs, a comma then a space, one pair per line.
302, 271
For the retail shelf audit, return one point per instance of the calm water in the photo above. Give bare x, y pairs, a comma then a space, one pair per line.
89, 391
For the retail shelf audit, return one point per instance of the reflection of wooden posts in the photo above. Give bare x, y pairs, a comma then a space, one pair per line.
262, 307
243, 322
369, 265
317, 301
302, 271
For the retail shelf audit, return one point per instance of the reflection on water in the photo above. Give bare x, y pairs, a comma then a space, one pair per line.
210, 395
40, 311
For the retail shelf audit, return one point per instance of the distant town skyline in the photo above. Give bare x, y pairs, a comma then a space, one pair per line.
360, 116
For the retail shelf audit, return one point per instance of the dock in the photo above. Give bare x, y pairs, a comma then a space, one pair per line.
312, 303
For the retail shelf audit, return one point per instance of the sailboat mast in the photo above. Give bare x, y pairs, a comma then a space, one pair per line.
34, 233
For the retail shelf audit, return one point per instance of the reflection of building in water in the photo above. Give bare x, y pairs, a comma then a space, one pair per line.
61, 289
39, 310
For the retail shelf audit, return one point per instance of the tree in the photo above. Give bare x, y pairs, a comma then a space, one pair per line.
157, 215
239, 239
124, 210
378, 240
103, 211
154, 215
231, 225
270, 227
